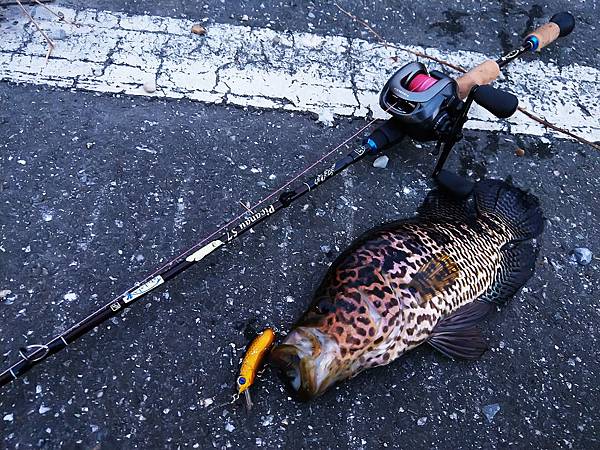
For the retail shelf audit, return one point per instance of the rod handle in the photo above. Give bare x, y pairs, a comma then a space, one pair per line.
500, 103
560, 25
484, 73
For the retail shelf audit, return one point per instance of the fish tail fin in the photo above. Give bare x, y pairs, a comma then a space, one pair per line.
518, 209
521, 212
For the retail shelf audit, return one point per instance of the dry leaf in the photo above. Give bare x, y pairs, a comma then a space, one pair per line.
199, 29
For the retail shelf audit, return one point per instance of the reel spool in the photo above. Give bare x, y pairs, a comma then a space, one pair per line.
424, 103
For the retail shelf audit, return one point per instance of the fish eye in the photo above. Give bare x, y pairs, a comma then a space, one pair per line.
241, 381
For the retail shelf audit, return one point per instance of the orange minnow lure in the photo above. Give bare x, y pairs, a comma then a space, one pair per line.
251, 363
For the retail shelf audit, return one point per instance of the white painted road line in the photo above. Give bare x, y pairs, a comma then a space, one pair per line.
116, 52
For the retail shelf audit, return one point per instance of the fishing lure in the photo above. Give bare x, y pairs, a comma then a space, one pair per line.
252, 361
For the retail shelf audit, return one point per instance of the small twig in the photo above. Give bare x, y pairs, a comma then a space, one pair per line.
547, 124
443, 62
59, 15
404, 49
26, 2
50, 43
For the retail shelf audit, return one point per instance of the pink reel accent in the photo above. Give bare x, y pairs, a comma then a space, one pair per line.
421, 82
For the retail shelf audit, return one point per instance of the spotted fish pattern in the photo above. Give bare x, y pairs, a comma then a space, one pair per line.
427, 279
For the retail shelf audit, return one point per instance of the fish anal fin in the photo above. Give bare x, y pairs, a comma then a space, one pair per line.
457, 336
434, 276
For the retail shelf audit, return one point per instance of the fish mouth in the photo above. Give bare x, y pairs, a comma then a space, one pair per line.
307, 362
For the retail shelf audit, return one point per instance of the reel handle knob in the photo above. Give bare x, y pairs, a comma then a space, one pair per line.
560, 25
484, 73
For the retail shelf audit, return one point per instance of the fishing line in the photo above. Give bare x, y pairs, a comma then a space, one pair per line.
263, 200
195, 247
421, 82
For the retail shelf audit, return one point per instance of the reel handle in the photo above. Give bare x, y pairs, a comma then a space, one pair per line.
560, 25
484, 73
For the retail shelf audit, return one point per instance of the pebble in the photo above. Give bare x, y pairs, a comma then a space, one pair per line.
582, 256
47, 217
229, 427
245, 18
519, 151
5, 293
422, 421
150, 86
198, 29
490, 410
8, 417
266, 421
206, 402
43, 409
325, 248
381, 162
70, 296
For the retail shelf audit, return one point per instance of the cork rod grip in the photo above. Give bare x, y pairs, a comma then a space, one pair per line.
546, 34
484, 73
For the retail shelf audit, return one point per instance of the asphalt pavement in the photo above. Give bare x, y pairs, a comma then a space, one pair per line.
99, 189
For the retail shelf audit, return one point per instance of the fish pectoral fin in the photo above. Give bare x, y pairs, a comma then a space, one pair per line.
464, 344
456, 336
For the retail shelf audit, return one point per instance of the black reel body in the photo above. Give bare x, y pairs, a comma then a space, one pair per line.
427, 112
425, 105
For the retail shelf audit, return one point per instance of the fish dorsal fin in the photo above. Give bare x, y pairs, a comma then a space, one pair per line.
457, 336
517, 264
454, 184
434, 276
515, 207
450, 202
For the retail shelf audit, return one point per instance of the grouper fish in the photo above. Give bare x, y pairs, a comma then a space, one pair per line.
429, 279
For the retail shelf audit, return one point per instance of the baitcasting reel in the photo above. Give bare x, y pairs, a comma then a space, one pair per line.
427, 106
425, 103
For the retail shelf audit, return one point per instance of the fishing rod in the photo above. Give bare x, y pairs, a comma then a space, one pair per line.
425, 105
